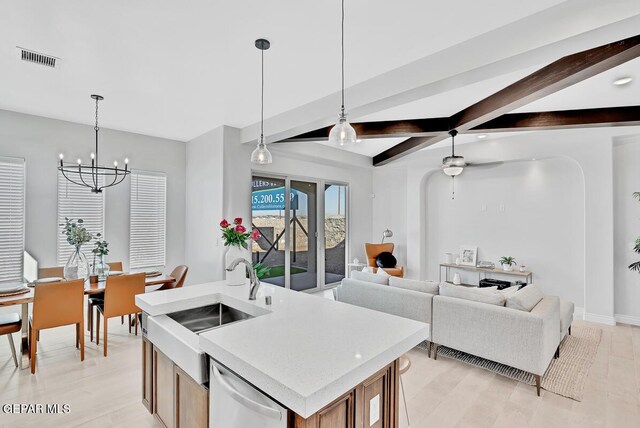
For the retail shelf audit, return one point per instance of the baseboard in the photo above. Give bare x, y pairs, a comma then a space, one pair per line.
627, 319
601, 319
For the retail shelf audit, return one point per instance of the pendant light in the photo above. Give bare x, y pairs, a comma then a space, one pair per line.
94, 176
261, 155
342, 133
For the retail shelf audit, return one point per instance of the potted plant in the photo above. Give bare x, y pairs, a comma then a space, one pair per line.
635, 266
100, 249
77, 235
507, 263
235, 237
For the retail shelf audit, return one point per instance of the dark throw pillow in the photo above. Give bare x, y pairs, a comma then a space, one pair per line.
386, 260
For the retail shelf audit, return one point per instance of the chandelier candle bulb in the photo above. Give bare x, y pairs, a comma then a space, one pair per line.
115, 164
79, 161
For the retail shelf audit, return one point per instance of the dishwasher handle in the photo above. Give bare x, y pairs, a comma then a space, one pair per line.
245, 401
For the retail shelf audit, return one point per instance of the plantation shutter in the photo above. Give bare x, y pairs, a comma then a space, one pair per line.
76, 202
147, 244
12, 218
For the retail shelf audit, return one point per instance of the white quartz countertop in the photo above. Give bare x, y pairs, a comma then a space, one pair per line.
303, 350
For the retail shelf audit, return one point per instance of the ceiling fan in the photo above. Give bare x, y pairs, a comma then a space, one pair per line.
454, 165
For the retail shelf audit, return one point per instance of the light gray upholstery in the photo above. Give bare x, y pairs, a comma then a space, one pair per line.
566, 317
391, 300
525, 299
487, 295
524, 340
370, 277
415, 285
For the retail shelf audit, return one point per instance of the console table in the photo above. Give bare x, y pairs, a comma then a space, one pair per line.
482, 272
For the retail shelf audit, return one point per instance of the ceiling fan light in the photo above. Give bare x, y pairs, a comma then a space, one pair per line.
452, 171
342, 133
454, 161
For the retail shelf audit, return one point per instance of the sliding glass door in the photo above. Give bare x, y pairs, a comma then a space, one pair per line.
304, 231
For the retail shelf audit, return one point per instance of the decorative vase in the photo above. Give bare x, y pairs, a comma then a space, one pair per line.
456, 279
507, 268
77, 267
238, 275
101, 269
448, 258
523, 268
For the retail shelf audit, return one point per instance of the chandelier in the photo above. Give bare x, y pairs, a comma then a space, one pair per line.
94, 176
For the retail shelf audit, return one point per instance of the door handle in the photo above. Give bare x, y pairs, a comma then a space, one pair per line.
244, 400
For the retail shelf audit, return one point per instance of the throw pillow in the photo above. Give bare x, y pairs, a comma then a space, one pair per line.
368, 269
525, 299
431, 287
489, 295
386, 260
370, 277
382, 272
509, 291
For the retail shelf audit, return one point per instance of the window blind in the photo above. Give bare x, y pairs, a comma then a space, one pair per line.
147, 235
12, 218
78, 202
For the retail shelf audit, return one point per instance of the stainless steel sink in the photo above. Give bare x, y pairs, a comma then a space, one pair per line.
206, 318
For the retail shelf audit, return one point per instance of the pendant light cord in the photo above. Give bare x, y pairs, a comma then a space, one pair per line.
342, 55
262, 99
96, 128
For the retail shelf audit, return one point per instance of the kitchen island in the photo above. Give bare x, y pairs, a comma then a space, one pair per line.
315, 361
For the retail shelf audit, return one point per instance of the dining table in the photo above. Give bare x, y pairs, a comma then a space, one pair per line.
90, 288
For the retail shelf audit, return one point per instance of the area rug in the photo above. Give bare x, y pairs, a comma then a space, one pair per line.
565, 376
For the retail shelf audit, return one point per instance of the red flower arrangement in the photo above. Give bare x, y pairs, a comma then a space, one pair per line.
236, 234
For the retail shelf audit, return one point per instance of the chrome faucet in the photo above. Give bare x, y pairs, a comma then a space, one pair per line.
253, 277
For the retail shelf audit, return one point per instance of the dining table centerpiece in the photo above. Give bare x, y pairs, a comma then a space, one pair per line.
235, 236
100, 250
77, 267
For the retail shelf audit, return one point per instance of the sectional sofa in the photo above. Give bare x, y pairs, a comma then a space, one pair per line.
521, 328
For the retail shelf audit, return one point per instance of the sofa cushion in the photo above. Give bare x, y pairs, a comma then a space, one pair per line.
489, 295
525, 299
431, 287
566, 315
370, 277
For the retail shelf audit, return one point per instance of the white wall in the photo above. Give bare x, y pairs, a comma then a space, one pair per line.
591, 149
626, 162
40, 140
541, 224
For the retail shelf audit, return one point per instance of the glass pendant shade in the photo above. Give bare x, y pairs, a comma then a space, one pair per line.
261, 155
342, 133
453, 165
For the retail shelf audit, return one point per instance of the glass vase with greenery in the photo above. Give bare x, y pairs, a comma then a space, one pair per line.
77, 235
100, 249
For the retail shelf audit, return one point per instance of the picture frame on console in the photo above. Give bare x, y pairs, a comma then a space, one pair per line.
468, 255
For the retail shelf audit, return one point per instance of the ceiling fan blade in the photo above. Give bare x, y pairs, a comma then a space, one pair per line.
484, 164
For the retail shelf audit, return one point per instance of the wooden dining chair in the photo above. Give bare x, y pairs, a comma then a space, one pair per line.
51, 272
9, 324
119, 300
179, 274
113, 266
55, 305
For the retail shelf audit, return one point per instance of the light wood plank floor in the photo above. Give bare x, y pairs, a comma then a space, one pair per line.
105, 392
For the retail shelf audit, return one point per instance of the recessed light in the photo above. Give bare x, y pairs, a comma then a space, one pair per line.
482, 136
623, 81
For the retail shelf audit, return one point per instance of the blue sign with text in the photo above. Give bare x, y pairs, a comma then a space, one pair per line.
272, 199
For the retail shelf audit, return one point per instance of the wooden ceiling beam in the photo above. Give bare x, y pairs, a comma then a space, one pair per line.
556, 76
383, 129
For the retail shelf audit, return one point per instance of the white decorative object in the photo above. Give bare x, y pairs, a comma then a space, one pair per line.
523, 268
356, 261
507, 268
458, 261
448, 258
468, 255
456, 279
237, 276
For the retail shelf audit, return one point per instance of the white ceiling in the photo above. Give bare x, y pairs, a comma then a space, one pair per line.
178, 69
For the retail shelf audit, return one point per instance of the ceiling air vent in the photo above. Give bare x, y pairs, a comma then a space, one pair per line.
37, 57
